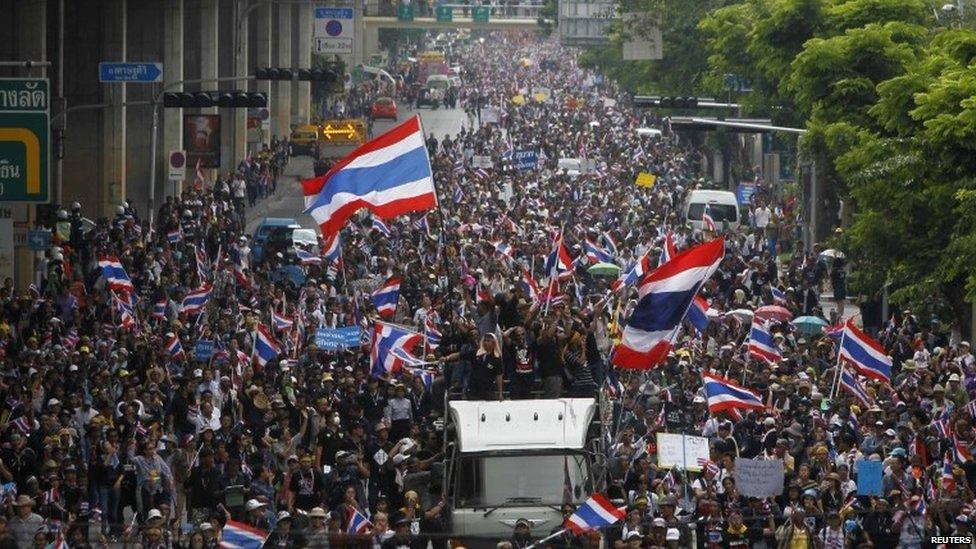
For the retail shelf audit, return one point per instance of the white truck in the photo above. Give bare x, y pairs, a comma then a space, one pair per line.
519, 459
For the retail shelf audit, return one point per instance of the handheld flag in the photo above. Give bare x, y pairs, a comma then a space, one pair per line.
595, 513
265, 348
761, 344
196, 300
385, 298
723, 394
114, 274
386, 339
866, 354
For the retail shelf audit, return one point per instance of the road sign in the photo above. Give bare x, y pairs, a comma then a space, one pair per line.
38, 240
130, 72
405, 12
345, 132
25, 112
445, 14
177, 165
333, 30
479, 14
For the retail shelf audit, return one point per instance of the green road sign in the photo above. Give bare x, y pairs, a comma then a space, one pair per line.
479, 14
445, 14
24, 139
405, 12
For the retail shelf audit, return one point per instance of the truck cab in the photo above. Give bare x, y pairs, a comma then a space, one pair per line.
273, 235
519, 459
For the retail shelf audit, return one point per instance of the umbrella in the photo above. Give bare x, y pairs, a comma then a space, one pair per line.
809, 324
744, 315
774, 312
833, 253
604, 269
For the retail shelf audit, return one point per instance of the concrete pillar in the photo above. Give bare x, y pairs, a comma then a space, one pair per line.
281, 113
31, 43
209, 62
241, 68
114, 23
371, 40
302, 94
263, 56
172, 119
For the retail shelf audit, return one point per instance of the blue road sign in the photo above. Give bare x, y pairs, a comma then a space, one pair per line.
38, 240
130, 72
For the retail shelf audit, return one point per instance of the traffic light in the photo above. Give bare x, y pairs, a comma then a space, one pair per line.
318, 75
222, 99
331, 72
667, 102
270, 73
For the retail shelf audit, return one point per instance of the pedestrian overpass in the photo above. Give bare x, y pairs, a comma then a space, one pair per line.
385, 15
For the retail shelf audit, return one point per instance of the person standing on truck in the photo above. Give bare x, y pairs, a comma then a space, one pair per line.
486, 368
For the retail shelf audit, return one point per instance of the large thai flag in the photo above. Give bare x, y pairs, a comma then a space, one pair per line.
633, 275
332, 250
761, 344
173, 346
663, 301
385, 297
114, 274
866, 354
389, 175
850, 383
724, 394
386, 339
197, 299
698, 314
356, 522
266, 348
237, 535
595, 513
559, 259
595, 253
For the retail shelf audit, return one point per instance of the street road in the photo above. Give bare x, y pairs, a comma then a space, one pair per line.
288, 201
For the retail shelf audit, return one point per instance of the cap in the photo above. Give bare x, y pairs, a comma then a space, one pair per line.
673, 534
659, 523
284, 515
523, 522
56, 402
154, 514
253, 504
317, 512
891, 433
207, 526
633, 534
953, 377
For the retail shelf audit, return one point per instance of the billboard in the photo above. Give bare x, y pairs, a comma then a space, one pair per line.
201, 139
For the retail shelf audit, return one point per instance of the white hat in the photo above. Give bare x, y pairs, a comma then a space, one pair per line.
953, 377
253, 504
673, 534
154, 514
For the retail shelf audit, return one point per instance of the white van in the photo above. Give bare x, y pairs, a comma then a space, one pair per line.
723, 207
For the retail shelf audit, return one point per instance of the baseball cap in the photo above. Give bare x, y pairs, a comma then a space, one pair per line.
673, 534
659, 523
154, 514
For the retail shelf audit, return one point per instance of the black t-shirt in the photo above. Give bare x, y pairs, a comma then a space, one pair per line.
484, 369
307, 487
522, 360
550, 359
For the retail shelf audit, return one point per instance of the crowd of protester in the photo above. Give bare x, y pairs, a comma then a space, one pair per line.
115, 431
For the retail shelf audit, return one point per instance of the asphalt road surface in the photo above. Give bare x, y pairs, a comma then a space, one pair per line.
288, 200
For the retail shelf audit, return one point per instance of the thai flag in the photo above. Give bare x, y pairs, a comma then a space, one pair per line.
422, 224
723, 394
971, 408
200, 177
265, 348
114, 274
708, 465
664, 298
834, 332
332, 250
595, 513
634, 274
942, 427
173, 346
504, 250
948, 479
849, 382
356, 522
239, 275
308, 258
407, 358
59, 542
159, 309
866, 354
960, 450
24, 425
595, 253
425, 376
385, 297
431, 334
612, 385
507, 223
761, 344
458, 194
707, 220
381, 227
175, 236
237, 535
609, 244
779, 296
281, 322
669, 249
386, 339
920, 507
529, 286
203, 263
127, 318
196, 300
480, 173
698, 314
389, 175
559, 259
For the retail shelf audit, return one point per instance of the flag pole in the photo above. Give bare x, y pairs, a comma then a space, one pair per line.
834, 387
555, 268
549, 537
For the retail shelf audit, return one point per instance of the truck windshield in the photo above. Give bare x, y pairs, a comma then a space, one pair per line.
719, 212
485, 481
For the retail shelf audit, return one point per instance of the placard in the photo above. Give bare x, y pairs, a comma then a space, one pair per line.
759, 478
203, 350
490, 115
526, 160
332, 339
672, 451
869, 478
745, 191
481, 161
646, 180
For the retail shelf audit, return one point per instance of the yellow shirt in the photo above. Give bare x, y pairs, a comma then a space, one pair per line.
800, 539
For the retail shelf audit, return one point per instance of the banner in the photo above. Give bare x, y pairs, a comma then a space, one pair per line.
745, 191
681, 451
526, 160
646, 180
481, 161
869, 478
203, 350
759, 478
490, 115
333, 339
201, 140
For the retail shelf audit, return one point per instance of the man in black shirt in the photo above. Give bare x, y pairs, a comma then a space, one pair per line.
307, 487
201, 487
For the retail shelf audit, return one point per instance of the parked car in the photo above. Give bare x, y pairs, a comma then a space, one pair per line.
384, 107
